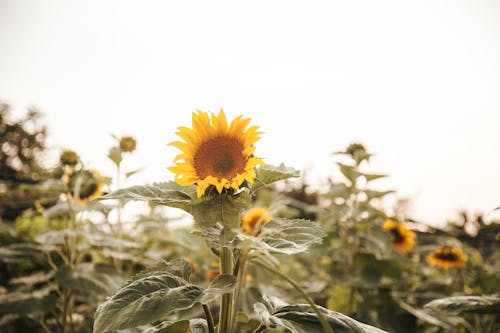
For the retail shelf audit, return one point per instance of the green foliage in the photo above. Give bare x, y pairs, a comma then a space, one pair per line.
168, 194
61, 259
268, 174
457, 305
154, 294
301, 318
32, 303
286, 236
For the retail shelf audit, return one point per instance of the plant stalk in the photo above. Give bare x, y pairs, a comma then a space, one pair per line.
239, 285
226, 267
210, 319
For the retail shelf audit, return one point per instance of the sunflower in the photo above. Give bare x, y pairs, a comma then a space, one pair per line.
216, 153
447, 257
128, 144
69, 157
254, 219
91, 184
403, 239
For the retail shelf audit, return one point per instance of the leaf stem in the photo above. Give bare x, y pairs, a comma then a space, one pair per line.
210, 319
321, 317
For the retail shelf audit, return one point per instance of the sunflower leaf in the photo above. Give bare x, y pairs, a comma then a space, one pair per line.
373, 176
301, 318
210, 210
286, 236
144, 300
196, 325
168, 194
222, 284
457, 305
268, 174
115, 155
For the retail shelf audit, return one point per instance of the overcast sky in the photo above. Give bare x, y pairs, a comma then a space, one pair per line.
417, 81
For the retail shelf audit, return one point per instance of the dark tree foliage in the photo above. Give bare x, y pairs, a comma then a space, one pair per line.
22, 143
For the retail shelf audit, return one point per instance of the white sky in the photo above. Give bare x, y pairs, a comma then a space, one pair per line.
417, 81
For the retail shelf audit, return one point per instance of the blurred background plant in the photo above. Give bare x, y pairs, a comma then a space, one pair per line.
62, 254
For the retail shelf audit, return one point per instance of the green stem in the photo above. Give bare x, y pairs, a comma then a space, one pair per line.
242, 263
327, 328
44, 326
226, 267
119, 208
259, 329
210, 319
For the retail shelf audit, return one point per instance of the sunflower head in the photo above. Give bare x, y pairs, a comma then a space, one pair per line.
254, 219
215, 153
127, 144
447, 257
69, 157
403, 239
91, 186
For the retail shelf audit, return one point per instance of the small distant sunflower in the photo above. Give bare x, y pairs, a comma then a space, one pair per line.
254, 219
69, 157
91, 185
191, 263
403, 239
128, 144
213, 271
447, 257
215, 153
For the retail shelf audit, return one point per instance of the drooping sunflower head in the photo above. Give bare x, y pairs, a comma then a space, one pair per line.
91, 185
403, 239
447, 257
215, 153
254, 219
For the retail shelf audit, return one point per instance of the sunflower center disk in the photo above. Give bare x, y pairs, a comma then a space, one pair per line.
220, 157
447, 256
398, 237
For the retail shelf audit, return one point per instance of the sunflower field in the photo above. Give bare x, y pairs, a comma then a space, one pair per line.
231, 245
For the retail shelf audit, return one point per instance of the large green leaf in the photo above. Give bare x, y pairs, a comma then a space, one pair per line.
268, 174
168, 194
286, 236
433, 317
144, 301
301, 318
150, 296
465, 304
37, 302
219, 286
